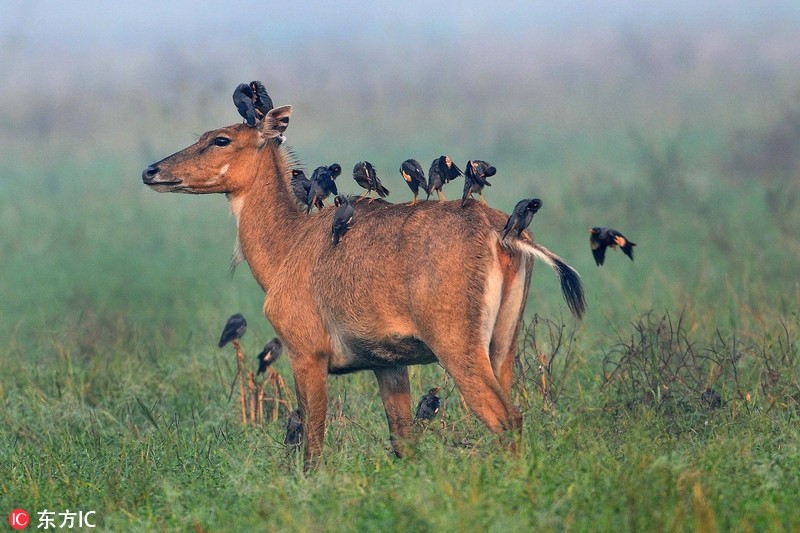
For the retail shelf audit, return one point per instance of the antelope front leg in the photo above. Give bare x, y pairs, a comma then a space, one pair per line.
310, 377
396, 396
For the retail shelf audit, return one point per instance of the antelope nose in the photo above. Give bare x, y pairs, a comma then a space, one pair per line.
149, 173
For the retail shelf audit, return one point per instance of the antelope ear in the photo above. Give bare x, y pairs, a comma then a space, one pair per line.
276, 122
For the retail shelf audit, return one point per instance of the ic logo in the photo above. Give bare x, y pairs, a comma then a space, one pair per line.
19, 519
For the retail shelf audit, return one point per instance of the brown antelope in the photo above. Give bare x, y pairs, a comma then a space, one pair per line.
392, 293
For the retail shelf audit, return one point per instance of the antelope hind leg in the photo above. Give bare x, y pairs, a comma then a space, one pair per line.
396, 396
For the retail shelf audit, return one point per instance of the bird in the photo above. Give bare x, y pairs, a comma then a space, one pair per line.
475, 176
294, 429
272, 350
428, 405
342, 218
234, 329
322, 186
334, 170
712, 398
364, 174
412, 172
300, 185
601, 238
252, 101
442, 171
522, 215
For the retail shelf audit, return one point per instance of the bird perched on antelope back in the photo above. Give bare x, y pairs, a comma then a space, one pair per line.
252, 101
412, 172
272, 350
365, 175
322, 186
442, 171
602, 238
428, 405
294, 429
300, 186
521, 216
334, 170
234, 329
475, 179
342, 218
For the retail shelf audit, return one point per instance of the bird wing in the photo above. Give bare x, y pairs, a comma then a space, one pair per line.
599, 253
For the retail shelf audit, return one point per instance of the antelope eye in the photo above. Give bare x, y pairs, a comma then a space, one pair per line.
222, 141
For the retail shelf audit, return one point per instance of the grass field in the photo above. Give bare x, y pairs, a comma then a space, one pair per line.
114, 397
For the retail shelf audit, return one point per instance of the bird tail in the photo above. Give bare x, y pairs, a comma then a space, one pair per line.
628, 249
571, 286
382, 191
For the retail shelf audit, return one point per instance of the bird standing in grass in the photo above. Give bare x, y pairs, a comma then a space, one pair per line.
442, 171
521, 216
475, 180
428, 405
322, 186
342, 218
234, 329
412, 172
602, 238
364, 174
294, 429
272, 350
252, 101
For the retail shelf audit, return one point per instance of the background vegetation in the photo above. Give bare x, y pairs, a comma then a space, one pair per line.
672, 406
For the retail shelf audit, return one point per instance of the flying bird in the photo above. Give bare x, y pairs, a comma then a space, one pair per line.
521, 216
412, 172
234, 329
602, 238
272, 350
252, 101
475, 180
442, 171
294, 429
364, 174
342, 218
428, 405
322, 186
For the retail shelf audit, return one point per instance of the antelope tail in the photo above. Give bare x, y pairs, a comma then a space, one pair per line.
571, 286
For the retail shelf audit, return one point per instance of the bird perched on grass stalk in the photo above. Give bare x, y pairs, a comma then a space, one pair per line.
475, 180
412, 172
252, 101
234, 329
342, 218
441, 171
272, 350
365, 175
294, 429
602, 238
521, 216
428, 405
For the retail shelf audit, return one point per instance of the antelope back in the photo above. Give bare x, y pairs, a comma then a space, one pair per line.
222, 160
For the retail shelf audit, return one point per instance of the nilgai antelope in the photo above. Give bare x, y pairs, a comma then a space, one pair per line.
407, 297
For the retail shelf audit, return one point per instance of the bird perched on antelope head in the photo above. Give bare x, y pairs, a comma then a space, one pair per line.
521, 216
428, 405
252, 101
342, 218
475, 179
602, 238
234, 329
322, 186
272, 350
412, 172
442, 171
365, 175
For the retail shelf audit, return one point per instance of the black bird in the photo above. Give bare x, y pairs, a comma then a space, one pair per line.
522, 215
342, 218
300, 186
252, 101
412, 172
601, 238
234, 329
442, 171
712, 398
294, 429
272, 350
334, 170
366, 177
475, 179
428, 405
322, 186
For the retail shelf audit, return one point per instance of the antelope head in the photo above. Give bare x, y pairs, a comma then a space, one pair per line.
222, 160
